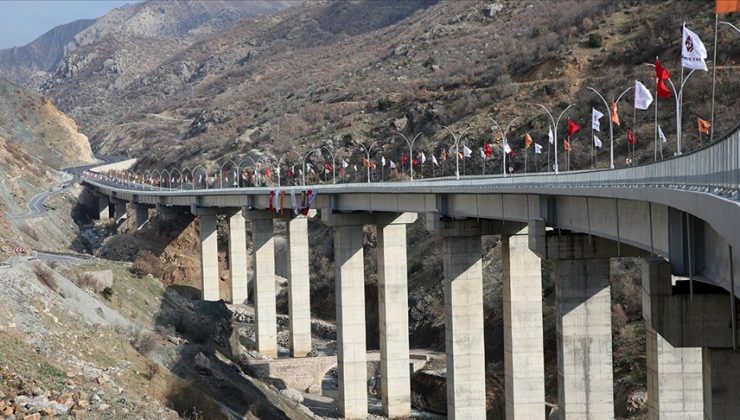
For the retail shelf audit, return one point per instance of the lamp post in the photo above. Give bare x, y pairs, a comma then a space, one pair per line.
367, 153
411, 152
457, 148
611, 124
503, 141
333, 162
303, 161
555, 127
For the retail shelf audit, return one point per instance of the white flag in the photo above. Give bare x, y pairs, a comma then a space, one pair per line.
482, 153
537, 148
549, 136
423, 157
393, 165
355, 167
382, 161
693, 52
643, 98
595, 117
344, 163
597, 142
434, 160
661, 136
466, 151
507, 149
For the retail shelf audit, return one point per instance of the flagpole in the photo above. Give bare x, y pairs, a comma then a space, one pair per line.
634, 129
680, 99
655, 121
525, 160
714, 75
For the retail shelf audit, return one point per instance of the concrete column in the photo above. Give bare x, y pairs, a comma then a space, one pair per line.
119, 211
584, 336
142, 216
463, 282
349, 282
264, 290
395, 381
674, 375
238, 258
721, 372
299, 299
103, 210
209, 257
524, 359
674, 379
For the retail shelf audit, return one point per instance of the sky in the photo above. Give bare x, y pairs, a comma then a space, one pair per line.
25, 20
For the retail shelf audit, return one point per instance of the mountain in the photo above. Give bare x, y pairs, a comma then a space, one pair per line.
162, 26
332, 70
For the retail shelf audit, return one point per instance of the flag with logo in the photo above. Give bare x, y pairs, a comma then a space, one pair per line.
643, 98
703, 126
693, 52
595, 117
537, 148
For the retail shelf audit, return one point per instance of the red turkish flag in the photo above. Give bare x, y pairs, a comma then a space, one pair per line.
663, 92
404, 159
631, 137
572, 127
660, 72
487, 149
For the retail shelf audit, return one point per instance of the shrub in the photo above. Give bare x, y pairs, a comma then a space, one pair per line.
151, 370
144, 341
594, 40
45, 276
89, 281
384, 104
191, 402
107, 293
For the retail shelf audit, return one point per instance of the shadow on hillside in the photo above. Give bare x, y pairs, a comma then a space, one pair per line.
205, 360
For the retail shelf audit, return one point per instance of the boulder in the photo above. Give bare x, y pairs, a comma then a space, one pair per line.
292, 394
203, 364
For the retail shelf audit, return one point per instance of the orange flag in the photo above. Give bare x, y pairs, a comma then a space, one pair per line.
727, 6
614, 115
527, 140
703, 126
566, 146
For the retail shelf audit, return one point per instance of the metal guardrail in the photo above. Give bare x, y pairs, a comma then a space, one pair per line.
714, 169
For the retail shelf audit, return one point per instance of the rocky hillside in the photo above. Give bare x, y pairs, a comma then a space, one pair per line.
331, 70
128, 41
37, 140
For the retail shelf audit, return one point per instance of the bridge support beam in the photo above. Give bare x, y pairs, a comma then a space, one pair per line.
395, 381
721, 373
103, 208
349, 282
264, 281
674, 375
238, 257
463, 284
299, 299
119, 211
142, 216
209, 255
524, 359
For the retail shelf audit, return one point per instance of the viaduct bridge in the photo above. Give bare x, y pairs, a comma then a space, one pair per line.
680, 215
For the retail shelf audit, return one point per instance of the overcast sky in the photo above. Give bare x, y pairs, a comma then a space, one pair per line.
23, 21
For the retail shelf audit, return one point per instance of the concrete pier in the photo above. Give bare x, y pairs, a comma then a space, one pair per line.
103, 208
721, 373
395, 378
349, 282
142, 216
524, 359
674, 375
209, 257
463, 283
238, 257
299, 300
119, 211
584, 334
264, 288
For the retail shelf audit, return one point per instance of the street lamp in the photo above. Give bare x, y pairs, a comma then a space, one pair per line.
457, 149
411, 152
504, 141
367, 152
555, 127
303, 161
333, 163
611, 124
